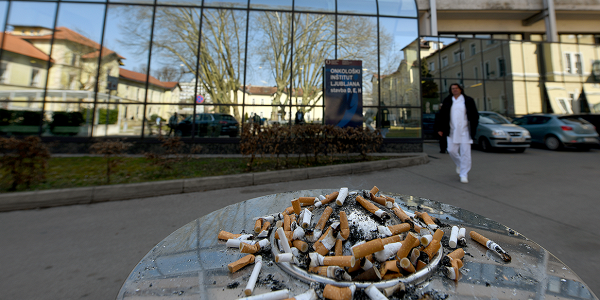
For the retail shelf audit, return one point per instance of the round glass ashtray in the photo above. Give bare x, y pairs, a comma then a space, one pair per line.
364, 226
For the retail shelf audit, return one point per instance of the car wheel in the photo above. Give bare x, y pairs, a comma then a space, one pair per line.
485, 144
520, 150
552, 143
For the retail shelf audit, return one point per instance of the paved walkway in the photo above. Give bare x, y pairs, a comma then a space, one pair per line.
87, 251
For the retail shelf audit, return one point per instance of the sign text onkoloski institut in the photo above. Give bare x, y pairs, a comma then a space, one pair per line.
343, 93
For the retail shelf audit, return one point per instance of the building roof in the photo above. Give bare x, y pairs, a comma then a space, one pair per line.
64, 33
17, 45
139, 77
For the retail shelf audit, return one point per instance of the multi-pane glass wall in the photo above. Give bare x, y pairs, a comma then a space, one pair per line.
514, 77
141, 68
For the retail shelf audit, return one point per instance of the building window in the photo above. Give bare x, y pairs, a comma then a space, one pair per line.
458, 55
262, 101
253, 101
460, 81
4, 72
490, 42
35, 77
431, 66
487, 70
444, 61
573, 63
473, 49
476, 73
501, 67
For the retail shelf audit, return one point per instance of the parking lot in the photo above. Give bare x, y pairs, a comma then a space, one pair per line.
87, 251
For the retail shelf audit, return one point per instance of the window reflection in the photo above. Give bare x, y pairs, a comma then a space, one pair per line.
228, 3
367, 7
399, 8
285, 5
315, 5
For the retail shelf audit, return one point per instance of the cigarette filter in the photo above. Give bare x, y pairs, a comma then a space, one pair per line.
414, 256
277, 295
407, 245
298, 233
374, 191
384, 231
316, 259
406, 265
420, 265
427, 219
490, 245
390, 276
338, 293
308, 295
339, 248
284, 257
344, 227
400, 213
341, 196
374, 293
399, 228
417, 227
306, 218
438, 234
367, 262
426, 239
340, 261
457, 254
240, 263
371, 207
388, 251
433, 248
288, 210
305, 201
371, 274
357, 265
461, 233
258, 225
324, 217
453, 237
330, 197
300, 245
224, 235
379, 200
389, 266
252, 281
236, 243
284, 240
367, 248
334, 272
320, 248
399, 287
296, 206
247, 248
391, 239
287, 222
389, 202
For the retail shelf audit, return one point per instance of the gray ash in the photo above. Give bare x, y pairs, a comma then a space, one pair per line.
271, 282
233, 285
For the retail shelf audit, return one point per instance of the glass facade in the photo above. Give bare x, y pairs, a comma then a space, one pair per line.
129, 68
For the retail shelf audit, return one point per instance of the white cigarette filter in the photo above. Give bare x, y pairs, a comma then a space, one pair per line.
252, 281
388, 251
284, 257
306, 218
308, 295
277, 295
342, 196
316, 259
374, 293
235, 243
453, 237
426, 239
298, 233
284, 241
461, 233
414, 256
384, 231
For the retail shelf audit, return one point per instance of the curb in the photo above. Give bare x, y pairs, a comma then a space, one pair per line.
119, 192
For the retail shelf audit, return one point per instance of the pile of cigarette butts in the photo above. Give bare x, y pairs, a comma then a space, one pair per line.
399, 250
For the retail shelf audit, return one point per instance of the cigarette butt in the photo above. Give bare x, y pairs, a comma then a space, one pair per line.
379, 200
320, 248
461, 233
453, 237
374, 293
372, 274
296, 206
417, 228
406, 265
252, 281
341, 196
367, 248
308, 295
292, 218
426, 218
420, 265
407, 245
284, 240
288, 210
306, 218
433, 248
247, 248
224, 235
438, 234
298, 233
340, 261
325, 234
399, 228
366, 204
287, 223
300, 245
265, 226
457, 254
240, 263
389, 250
339, 248
324, 217
319, 270
401, 214
306, 201
344, 227
357, 265
389, 266
384, 231
258, 225
399, 287
284, 257
281, 294
390, 276
391, 239
330, 197
426, 239
414, 256
338, 293
374, 191
479, 238
459, 263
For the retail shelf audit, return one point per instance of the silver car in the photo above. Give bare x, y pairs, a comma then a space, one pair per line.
495, 131
557, 131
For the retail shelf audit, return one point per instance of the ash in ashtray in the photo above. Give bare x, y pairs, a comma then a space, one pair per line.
271, 283
233, 285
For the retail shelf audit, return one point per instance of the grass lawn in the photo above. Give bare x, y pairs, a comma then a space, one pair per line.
71, 172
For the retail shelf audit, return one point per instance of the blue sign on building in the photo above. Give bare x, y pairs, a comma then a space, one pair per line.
343, 93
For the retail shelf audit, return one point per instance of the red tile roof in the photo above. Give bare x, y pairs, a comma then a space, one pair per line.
64, 33
139, 77
17, 45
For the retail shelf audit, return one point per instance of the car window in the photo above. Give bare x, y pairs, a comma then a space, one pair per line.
206, 117
520, 121
538, 120
492, 119
574, 120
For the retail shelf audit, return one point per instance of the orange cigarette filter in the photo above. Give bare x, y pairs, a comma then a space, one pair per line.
337, 293
324, 234
340, 261
246, 248
366, 204
457, 254
374, 191
330, 197
479, 238
240, 263
258, 225
455, 266
399, 228
389, 276
438, 234
289, 210
417, 228
266, 225
339, 248
379, 200
389, 266
296, 206
432, 248
304, 201
344, 227
224, 235
300, 245
367, 248
407, 245
420, 265
324, 217
401, 214
320, 248
406, 265
357, 265
320, 270
391, 239
390, 199
459, 263
425, 217
287, 223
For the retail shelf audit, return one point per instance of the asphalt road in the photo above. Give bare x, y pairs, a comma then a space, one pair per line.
87, 251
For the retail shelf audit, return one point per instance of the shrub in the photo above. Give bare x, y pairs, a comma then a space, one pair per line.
112, 150
24, 159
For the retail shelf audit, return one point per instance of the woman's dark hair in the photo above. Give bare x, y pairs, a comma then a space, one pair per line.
459, 87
